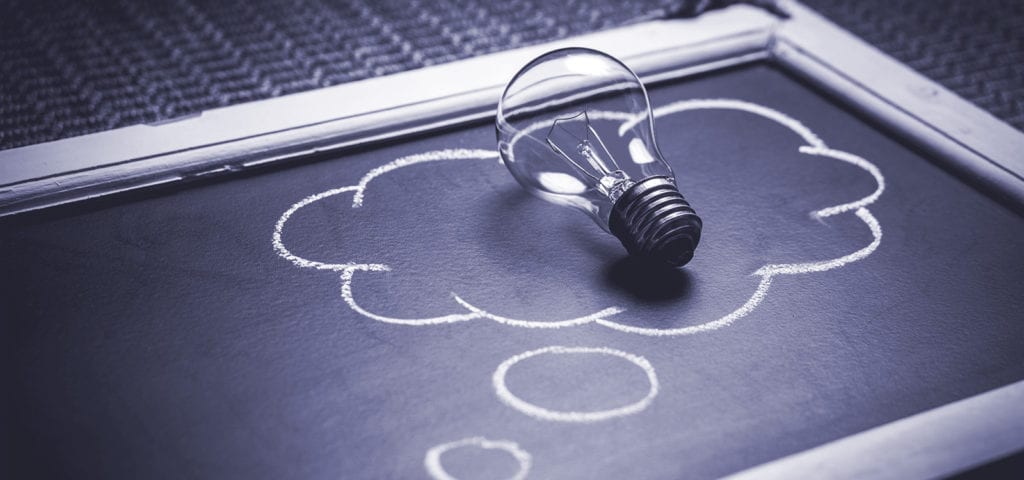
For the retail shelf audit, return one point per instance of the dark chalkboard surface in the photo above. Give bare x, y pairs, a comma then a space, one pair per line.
232, 329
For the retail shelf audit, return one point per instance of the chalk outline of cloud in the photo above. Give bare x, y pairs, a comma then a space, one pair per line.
815, 146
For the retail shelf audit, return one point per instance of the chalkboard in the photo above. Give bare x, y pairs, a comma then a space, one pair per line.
407, 310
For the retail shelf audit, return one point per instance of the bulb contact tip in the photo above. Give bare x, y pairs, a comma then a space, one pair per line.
653, 220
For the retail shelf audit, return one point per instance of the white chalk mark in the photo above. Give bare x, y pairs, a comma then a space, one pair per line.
539, 323
798, 268
507, 397
346, 294
432, 461
302, 262
766, 272
744, 310
855, 160
433, 156
815, 146
474, 312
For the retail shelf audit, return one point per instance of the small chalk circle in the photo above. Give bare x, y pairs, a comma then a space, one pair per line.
432, 461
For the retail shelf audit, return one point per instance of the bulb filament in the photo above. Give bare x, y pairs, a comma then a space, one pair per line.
598, 164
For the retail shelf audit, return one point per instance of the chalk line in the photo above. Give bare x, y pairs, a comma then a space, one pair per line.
432, 461
357, 200
346, 294
539, 323
815, 146
766, 273
744, 310
474, 313
283, 251
855, 160
508, 398
432, 156
798, 268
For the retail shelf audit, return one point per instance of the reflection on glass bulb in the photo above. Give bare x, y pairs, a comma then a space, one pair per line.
575, 128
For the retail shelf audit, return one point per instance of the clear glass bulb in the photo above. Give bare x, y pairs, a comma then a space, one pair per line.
575, 128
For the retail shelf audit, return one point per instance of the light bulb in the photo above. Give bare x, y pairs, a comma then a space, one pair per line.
575, 128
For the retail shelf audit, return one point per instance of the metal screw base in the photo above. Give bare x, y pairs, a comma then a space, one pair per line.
653, 220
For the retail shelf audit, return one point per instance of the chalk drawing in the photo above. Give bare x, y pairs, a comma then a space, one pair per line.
432, 461
535, 411
605, 317
357, 201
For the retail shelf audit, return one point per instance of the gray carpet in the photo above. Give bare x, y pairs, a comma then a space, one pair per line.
75, 67
972, 47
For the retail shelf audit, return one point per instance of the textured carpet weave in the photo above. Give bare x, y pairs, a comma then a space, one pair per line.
972, 47
75, 67
72, 67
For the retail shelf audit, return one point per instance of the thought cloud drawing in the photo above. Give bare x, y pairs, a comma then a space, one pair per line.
606, 316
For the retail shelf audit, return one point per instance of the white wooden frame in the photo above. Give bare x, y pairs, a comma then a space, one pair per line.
235, 138
955, 132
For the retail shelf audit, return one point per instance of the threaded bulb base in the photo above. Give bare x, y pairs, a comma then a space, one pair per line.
653, 220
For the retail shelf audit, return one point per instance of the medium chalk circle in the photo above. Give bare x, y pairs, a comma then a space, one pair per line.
542, 413
432, 461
